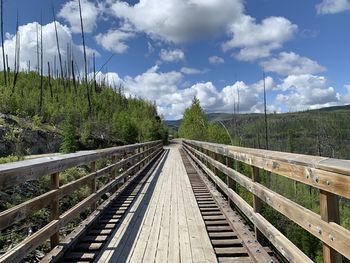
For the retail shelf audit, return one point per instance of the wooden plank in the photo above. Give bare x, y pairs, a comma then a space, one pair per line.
143, 237
56, 253
332, 234
118, 247
22, 211
329, 209
30, 244
310, 170
246, 238
280, 242
93, 184
257, 204
55, 209
12, 174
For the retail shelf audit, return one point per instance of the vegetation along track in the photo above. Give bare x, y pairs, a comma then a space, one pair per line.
230, 237
88, 246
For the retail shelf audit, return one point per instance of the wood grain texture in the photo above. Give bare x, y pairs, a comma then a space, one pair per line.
323, 173
331, 233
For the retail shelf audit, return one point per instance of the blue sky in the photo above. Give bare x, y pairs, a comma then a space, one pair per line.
169, 51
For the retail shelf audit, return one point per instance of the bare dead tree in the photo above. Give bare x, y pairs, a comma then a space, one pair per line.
74, 82
49, 73
85, 60
8, 69
54, 68
37, 50
265, 115
17, 55
41, 65
58, 47
2, 41
94, 64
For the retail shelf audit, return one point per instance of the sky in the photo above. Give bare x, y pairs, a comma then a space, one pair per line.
169, 51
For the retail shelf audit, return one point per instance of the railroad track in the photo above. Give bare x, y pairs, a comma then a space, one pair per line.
231, 238
90, 244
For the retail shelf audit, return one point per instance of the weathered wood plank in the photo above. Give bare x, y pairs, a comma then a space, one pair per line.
15, 173
332, 234
282, 244
310, 170
22, 211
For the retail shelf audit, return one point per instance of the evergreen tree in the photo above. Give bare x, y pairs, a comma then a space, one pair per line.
194, 124
69, 143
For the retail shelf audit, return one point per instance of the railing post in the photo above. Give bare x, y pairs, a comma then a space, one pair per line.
93, 184
257, 203
114, 172
229, 182
55, 209
329, 209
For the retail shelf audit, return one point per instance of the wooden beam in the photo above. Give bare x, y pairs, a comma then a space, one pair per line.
329, 209
332, 234
257, 203
55, 209
12, 174
326, 174
291, 252
230, 183
93, 184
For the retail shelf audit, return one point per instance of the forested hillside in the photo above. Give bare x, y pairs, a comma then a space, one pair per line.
323, 132
63, 107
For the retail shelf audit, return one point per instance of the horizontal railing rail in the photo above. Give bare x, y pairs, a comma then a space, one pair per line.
125, 161
330, 176
12, 174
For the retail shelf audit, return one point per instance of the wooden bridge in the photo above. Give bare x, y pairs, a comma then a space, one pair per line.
177, 203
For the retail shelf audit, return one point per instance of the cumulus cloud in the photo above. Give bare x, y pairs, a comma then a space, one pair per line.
292, 64
333, 6
216, 60
306, 91
192, 71
172, 55
178, 20
29, 49
110, 78
114, 40
164, 89
258, 40
90, 11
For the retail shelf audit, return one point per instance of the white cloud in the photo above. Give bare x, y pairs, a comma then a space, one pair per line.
29, 45
258, 40
178, 20
110, 78
301, 92
90, 12
216, 60
333, 6
292, 64
192, 71
153, 85
114, 40
172, 55
164, 89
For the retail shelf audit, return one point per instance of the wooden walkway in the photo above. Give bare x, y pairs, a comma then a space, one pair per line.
165, 223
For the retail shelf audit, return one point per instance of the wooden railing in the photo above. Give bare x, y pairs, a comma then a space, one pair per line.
330, 176
125, 161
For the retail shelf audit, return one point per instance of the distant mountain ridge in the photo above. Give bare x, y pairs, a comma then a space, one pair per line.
221, 116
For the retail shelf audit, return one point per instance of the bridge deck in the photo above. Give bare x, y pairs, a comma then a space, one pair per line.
165, 223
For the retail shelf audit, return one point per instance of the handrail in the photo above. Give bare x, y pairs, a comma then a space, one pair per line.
133, 158
12, 174
331, 176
